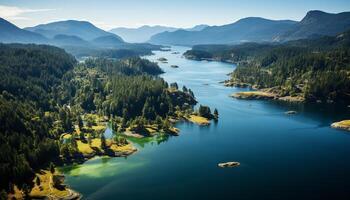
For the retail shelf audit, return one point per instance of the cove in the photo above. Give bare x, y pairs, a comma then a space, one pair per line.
282, 156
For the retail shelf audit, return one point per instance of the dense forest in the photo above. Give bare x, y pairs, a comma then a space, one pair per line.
316, 69
44, 92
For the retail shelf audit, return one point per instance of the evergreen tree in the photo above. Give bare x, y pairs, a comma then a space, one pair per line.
37, 181
80, 122
3, 195
174, 86
26, 191
103, 142
184, 89
52, 168
204, 111
216, 114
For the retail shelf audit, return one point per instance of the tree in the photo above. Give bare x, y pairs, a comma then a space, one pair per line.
3, 195
216, 114
73, 143
174, 86
37, 181
89, 139
80, 122
103, 142
184, 89
52, 168
26, 190
204, 111
191, 93
82, 136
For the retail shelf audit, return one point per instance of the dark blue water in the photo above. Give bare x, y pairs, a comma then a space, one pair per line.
282, 156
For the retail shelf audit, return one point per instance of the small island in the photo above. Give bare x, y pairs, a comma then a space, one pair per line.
229, 164
163, 60
291, 112
174, 66
344, 125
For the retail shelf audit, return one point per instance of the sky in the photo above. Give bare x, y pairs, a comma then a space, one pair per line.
108, 14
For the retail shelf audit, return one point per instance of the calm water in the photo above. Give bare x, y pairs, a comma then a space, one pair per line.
282, 157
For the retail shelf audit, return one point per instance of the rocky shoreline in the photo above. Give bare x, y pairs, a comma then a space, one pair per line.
266, 95
343, 125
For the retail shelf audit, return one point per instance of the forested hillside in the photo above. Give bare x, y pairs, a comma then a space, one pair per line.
315, 69
44, 93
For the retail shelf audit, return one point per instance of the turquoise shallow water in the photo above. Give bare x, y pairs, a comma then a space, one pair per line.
282, 156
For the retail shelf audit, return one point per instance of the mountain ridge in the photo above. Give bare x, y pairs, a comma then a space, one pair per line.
256, 29
82, 29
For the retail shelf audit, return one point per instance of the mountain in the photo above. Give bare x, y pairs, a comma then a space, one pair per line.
141, 34
197, 27
252, 29
107, 41
317, 23
84, 30
144, 33
9, 33
103, 43
68, 40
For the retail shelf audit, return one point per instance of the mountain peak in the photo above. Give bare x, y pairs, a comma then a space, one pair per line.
315, 13
82, 29
11, 33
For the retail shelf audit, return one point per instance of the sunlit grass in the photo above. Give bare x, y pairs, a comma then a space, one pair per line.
198, 120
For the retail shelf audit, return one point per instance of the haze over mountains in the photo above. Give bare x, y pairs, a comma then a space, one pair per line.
11, 33
254, 29
83, 29
144, 33
79, 38
72, 34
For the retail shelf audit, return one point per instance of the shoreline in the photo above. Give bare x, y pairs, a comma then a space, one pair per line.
266, 95
342, 125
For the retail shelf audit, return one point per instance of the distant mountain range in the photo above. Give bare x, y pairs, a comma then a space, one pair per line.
141, 34
144, 33
63, 33
83, 29
82, 34
79, 38
254, 29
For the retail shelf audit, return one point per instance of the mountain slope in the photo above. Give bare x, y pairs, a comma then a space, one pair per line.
144, 33
10, 33
82, 29
107, 41
141, 34
318, 23
251, 29
197, 27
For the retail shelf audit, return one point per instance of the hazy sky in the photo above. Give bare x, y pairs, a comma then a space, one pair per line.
108, 14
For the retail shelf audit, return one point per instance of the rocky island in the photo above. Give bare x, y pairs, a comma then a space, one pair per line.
229, 164
344, 125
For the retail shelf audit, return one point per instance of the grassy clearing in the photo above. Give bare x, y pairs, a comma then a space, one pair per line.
116, 148
67, 136
99, 127
198, 120
84, 148
345, 124
253, 94
44, 190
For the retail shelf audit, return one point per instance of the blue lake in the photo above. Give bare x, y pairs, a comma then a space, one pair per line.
282, 156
